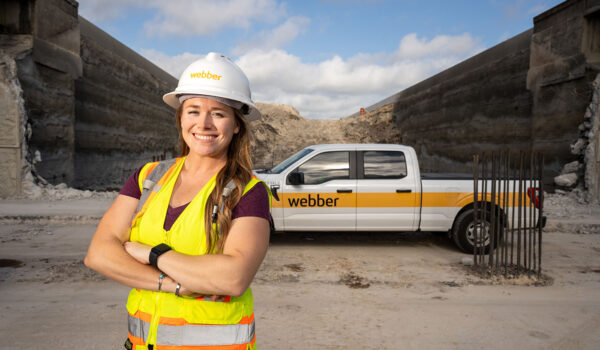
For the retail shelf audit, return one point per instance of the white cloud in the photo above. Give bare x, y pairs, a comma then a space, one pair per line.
187, 18
276, 38
338, 87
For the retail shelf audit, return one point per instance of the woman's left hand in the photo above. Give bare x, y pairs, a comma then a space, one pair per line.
138, 251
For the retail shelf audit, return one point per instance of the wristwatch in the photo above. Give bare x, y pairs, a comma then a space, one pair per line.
157, 251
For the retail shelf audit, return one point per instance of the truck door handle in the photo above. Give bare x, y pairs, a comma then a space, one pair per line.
344, 191
404, 191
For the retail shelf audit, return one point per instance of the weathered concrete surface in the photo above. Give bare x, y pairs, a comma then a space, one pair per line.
93, 105
481, 104
47, 78
560, 77
122, 121
591, 127
12, 137
13, 118
9, 124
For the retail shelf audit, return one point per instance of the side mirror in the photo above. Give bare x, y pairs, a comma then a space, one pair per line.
274, 189
295, 178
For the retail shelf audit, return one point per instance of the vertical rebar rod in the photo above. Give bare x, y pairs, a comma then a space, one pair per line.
497, 160
505, 213
531, 208
512, 221
484, 228
524, 209
475, 206
541, 212
535, 190
493, 213
499, 210
498, 206
519, 212
525, 215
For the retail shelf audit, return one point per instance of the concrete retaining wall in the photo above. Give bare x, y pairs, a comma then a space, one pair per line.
121, 120
12, 112
481, 104
562, 69
529, 92
94, 106
47, 77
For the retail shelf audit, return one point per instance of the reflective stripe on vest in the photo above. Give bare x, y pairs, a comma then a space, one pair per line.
193, 334
171, 322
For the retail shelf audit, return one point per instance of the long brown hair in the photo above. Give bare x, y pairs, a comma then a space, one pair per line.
238, 167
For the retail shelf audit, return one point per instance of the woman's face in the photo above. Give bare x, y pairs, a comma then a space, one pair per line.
207, 126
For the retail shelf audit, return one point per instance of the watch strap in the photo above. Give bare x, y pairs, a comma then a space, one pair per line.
157, 251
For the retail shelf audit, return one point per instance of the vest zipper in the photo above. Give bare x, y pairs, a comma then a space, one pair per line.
155, 317
157, 299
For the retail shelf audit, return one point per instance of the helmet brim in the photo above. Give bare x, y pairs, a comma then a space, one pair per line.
172, 100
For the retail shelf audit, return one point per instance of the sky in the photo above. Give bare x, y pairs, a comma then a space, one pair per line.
325, 58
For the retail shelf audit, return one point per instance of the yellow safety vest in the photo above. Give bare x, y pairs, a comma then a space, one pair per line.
164, 320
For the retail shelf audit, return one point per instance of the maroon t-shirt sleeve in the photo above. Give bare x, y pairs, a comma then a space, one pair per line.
131, 187
254, 203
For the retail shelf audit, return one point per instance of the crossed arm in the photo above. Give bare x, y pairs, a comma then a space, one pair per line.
111, 254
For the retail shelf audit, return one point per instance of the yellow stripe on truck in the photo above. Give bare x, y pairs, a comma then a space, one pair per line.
387, 200
383, 200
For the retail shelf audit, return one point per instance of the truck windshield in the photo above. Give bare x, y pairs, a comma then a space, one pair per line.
291, 160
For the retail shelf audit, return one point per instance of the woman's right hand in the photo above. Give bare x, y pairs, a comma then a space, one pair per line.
171, 285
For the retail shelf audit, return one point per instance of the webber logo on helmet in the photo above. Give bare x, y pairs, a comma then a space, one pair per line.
206, 75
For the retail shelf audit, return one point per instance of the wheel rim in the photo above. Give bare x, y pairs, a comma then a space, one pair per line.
482, 232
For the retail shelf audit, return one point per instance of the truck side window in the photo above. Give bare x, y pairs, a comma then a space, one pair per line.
384, 165
325, 167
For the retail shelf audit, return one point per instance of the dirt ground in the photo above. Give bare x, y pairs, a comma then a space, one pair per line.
314, 291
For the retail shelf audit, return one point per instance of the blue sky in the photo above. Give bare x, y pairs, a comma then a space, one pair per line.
326, 58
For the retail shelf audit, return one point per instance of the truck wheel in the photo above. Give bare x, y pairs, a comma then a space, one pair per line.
465, 232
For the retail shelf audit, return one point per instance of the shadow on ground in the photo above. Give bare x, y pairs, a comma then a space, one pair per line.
407, 239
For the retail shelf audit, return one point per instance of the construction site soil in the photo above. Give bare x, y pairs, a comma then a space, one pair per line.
326, 290
282, 131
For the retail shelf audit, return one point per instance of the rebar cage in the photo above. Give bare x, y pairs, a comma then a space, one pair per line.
508, 212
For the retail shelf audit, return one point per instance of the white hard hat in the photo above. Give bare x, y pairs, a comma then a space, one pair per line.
214, 75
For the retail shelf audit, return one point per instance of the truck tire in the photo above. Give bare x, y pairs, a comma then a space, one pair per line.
463, 232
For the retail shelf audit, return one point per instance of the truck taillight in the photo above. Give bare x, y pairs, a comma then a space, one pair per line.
534, 195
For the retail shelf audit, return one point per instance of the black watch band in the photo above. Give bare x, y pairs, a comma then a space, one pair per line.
157, 251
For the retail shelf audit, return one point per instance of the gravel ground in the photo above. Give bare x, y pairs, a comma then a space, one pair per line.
315, 290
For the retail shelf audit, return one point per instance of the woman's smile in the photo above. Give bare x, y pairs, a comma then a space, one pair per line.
204, 137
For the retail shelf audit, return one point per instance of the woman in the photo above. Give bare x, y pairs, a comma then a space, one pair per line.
198, 238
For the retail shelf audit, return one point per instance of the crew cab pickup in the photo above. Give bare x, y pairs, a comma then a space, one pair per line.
369, 187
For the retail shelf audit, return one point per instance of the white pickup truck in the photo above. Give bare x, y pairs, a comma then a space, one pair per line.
369, 187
